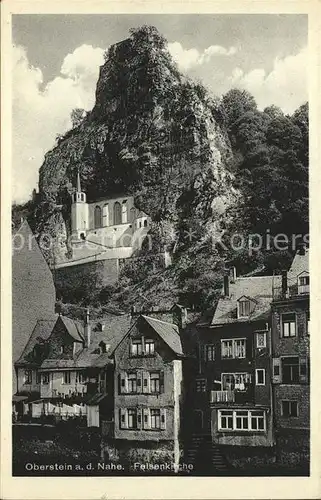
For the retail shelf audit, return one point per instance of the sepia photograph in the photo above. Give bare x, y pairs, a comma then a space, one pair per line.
160, 245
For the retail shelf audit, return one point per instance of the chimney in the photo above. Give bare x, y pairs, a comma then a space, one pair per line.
179, 315
227, 285
284, 283
87, 329
233, 274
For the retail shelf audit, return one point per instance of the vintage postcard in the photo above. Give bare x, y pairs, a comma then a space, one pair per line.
160, 181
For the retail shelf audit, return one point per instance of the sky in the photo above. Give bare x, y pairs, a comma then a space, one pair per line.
56, 61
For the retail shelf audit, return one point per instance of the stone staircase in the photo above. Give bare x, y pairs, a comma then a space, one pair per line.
206, 456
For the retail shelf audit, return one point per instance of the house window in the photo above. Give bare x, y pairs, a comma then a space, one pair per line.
66, 378
201, 385
62, 349
117, 213
149, 347
241, 420
155, 382
105, 215
28, 377
97, 217
132, 382
260, 376
233, 348
132, 418
288, 325
38, 378
289, 409
304, 284
136, 347
235, 381
145, 223
244, 308
225, 420
45, 378
209, 352
102, 346
261, 339
290, 370
308, 322
155, 419
80, 377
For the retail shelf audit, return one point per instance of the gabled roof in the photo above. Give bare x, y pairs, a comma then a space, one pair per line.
115, 329
41, 333
74, 327
252, 299
168, 332
299, 265
257, 288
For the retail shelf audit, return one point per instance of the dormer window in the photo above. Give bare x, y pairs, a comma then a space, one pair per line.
304, 283
245, 307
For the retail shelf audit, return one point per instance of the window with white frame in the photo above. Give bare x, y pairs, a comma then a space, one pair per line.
209, 352
289, 408
261, 339
235, 381
132, 418
136, 347
260, 376
149, 347
233, 348
66, 378
28, 377
304, 284
200, 385
288, 325
241, 420
132, 382
155, 418
45, 378
155, 382
244, 308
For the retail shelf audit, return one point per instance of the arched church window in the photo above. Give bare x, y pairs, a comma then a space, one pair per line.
124, 212
145, 223
105, 215
97, 217
117, 213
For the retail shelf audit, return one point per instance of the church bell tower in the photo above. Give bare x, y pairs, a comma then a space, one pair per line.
79, 212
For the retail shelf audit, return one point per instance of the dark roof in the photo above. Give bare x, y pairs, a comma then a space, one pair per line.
115, 328
41, 332
168, 332
256, 288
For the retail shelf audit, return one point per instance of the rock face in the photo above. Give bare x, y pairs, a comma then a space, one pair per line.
152, 133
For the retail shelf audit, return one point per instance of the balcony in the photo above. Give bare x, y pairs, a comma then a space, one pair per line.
233, 396
222, 396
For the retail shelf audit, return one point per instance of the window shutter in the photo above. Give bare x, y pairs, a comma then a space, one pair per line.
303, 369
123, 383
146, 418
123, 418
276, 376
146, 382
161, 381
163, 418
139, 418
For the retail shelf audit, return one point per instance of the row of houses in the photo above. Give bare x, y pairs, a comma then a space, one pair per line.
170, 385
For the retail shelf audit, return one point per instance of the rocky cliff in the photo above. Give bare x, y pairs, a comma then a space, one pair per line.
152, 133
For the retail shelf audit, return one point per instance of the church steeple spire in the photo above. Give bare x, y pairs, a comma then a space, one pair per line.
78, 186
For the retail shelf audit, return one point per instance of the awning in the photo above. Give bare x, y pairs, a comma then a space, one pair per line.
96, 399
16, 398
